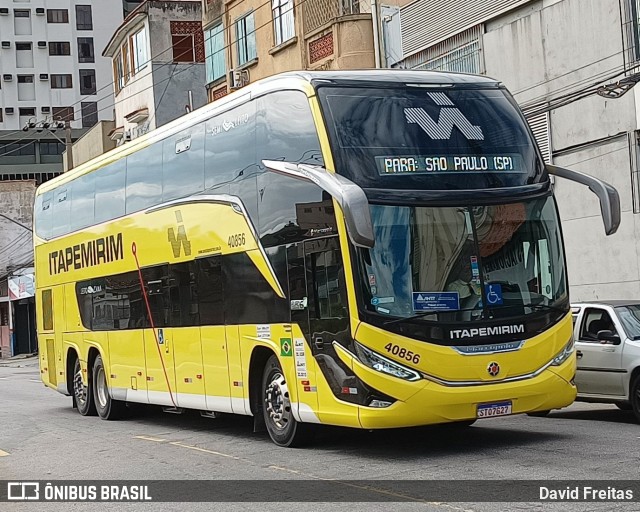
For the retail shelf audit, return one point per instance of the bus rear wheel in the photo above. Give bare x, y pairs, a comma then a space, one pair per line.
282, 427
83, 395
107, 407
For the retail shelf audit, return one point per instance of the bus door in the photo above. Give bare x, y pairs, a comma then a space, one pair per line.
182, 343
328, 317
159, 339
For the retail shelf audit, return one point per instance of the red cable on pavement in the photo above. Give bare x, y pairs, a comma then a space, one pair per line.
153, 327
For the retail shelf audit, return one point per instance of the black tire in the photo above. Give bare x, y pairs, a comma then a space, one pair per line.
539, 414
282, 427
624, 406
82, 395
634, 397
107, 407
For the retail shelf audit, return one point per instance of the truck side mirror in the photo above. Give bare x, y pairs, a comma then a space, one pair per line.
609, 337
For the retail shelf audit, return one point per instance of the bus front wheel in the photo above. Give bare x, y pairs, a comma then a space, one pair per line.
82, 394
107, 407
283, 428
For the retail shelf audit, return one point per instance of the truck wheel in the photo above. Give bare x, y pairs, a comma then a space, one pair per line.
107, 407
634, 397
282, 427
83, 395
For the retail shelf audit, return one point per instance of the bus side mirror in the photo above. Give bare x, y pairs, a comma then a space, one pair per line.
350, 197
608, 196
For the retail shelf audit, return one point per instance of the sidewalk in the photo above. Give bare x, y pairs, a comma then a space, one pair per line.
20, 361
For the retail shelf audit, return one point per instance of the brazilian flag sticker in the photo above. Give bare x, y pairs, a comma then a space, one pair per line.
286, 348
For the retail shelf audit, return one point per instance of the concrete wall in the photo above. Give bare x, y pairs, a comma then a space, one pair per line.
170, 90
16, 245
92, 144
550, 47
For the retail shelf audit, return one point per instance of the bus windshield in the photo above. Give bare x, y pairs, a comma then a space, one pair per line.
456, 264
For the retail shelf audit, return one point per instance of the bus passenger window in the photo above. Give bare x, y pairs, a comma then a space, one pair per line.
210, 292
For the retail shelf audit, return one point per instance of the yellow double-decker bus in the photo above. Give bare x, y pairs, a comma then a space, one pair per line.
368, 249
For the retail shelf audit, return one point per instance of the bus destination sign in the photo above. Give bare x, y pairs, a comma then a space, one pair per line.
394, 165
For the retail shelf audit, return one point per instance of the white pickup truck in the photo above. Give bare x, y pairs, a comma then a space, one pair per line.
607, 337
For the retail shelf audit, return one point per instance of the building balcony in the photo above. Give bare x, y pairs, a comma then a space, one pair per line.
338, 34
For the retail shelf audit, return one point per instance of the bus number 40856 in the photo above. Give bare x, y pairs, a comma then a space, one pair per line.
237, 240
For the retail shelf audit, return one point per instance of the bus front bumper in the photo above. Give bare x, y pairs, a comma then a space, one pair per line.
435, 403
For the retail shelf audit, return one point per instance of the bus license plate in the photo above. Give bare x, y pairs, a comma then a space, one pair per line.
491, 410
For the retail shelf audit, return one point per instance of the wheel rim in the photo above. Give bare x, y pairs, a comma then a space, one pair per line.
277, 403
101, 387
79, 388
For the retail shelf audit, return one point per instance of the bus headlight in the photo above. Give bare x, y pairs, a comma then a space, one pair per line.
383, 365
564, 354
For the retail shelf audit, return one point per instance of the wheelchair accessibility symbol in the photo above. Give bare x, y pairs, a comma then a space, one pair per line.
494, 294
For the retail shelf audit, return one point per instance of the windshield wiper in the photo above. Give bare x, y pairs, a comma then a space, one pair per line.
545, 306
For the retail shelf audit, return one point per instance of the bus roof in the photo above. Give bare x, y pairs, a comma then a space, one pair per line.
391, 76
301, 80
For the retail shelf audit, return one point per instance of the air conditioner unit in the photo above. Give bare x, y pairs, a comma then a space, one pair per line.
42, 44
4, 11
6, 44
238, 78
8, 110
46, 110
7, 78
40, 11
44, 76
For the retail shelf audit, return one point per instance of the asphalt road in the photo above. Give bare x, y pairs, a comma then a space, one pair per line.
42, 437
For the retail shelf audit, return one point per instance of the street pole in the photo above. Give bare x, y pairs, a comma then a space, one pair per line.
69, 145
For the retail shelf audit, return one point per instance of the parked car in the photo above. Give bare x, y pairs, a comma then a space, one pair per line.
607, 337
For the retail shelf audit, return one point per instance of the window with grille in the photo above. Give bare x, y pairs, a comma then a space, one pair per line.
61, 82
460, 53
85, 49
57, 16
62, 113
84, 20
87, 81
59, 48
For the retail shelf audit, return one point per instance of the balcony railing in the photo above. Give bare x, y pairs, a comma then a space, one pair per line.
317, 13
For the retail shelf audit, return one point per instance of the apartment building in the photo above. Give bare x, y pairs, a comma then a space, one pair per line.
246, 40
50, 70
157, 62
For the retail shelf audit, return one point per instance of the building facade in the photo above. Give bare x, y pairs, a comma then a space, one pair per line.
246, 40
571, 65
157, 61
50, 70
16, 259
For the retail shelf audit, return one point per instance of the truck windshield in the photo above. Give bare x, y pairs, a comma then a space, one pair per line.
458, 264
630, 318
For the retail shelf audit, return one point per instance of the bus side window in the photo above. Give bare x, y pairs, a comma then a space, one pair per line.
210, 291
61, 212
43, 215
326, 282
183, 295
109, 191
